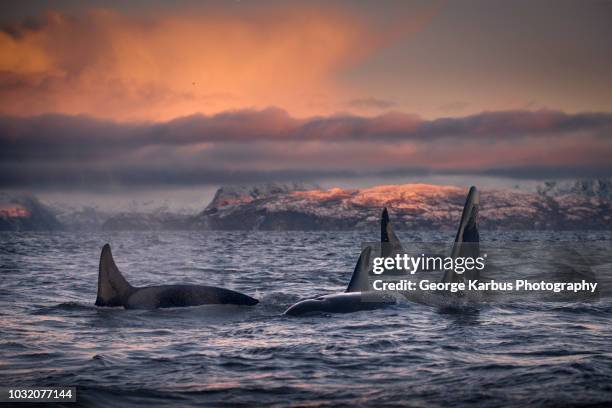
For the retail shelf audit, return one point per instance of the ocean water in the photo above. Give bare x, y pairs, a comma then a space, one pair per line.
521, 352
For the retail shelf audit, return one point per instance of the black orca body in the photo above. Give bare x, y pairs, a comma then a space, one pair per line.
359, 296
356, 297
347, 302
114, 290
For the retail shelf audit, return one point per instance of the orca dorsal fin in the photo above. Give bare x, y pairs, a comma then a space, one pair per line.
468, 226
467, 240
359, 280
113, 288
390, 243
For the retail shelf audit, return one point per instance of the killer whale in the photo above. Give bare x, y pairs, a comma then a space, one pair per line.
467, 240
356, 297
115, 290
359, 296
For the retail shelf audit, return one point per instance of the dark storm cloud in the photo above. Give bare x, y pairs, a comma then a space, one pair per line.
249, 145
89, 178
19, 29
97, 179
553, 172
57, 136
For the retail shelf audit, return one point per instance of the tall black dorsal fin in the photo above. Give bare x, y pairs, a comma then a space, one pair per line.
390, 243
359, 280
468, 226
113, 288
467, 240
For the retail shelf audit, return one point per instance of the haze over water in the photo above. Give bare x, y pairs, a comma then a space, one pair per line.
512, 353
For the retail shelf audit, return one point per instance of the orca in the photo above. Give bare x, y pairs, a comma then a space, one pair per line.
359, 295
115, 290
356, 297
390, 243
466, 244
467, 240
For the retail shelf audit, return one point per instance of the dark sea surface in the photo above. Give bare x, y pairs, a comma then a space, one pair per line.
515, 352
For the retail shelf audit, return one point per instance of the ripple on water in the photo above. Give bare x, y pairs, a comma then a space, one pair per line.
508, 354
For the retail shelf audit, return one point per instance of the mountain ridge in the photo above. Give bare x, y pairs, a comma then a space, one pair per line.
578, 205
413, 205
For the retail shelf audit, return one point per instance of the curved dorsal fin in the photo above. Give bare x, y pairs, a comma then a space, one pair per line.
359, 280
467, 238
468, 227
390, 243
113, 289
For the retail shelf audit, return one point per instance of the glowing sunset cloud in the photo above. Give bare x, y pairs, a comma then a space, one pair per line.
207, 93
108, 64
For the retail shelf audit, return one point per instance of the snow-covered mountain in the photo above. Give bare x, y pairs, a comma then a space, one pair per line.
22, 212
417, 206
601, 187
577, 205
237, 195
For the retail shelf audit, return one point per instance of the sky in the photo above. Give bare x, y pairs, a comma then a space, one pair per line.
152, 95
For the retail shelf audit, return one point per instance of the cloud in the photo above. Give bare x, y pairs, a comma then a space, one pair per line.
159, 66
454, 107
370, 103
58, 151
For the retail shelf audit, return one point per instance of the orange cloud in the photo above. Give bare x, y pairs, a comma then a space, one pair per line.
118, 66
